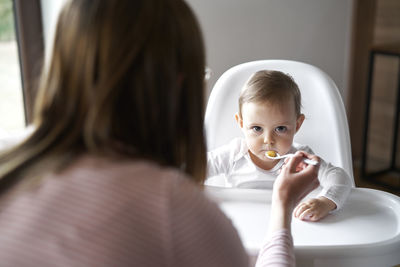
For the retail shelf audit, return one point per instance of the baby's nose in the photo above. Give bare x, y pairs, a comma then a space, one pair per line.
268, 139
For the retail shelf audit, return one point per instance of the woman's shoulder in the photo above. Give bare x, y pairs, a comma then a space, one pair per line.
118, 204
172, 203
136, 184
133, 179
123, 173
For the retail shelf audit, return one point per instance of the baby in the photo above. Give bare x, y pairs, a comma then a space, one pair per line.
269, 117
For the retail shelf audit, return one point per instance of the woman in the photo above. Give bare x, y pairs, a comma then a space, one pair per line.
108, 176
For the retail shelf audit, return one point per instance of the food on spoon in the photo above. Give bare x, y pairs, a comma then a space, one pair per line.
271, 153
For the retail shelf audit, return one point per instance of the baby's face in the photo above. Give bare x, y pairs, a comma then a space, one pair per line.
269, 126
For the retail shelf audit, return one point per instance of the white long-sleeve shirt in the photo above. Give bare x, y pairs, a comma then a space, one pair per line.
231, 166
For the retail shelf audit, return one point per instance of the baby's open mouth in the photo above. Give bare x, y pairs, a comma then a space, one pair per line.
271, 153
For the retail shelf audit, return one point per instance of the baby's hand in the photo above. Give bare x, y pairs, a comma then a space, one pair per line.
314, 209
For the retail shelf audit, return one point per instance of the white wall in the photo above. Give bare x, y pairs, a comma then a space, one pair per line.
237, 31
312, 31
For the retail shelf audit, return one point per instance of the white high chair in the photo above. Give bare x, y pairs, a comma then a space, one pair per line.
325, 128
366, 232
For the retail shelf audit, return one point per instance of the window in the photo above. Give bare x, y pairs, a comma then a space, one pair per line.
12, 116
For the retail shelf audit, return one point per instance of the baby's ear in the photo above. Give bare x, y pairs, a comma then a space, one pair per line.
299, 121
239, 120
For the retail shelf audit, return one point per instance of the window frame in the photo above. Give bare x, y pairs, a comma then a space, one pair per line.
29, 36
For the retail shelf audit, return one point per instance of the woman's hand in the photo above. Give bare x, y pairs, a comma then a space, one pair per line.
295, 181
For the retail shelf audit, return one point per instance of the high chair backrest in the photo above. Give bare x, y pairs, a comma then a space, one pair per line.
325, 128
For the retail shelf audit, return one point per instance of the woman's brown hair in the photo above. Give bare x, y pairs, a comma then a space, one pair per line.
125, 78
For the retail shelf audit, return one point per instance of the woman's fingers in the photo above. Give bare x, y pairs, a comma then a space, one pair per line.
294, 162
293, 184
300, 164
309, 156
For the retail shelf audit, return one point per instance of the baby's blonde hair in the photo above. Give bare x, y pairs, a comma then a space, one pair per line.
272, 86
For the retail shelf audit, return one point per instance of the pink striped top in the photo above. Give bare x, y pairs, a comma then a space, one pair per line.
100, 212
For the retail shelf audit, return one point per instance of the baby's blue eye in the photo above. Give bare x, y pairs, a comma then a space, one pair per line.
281, 129
257, 129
